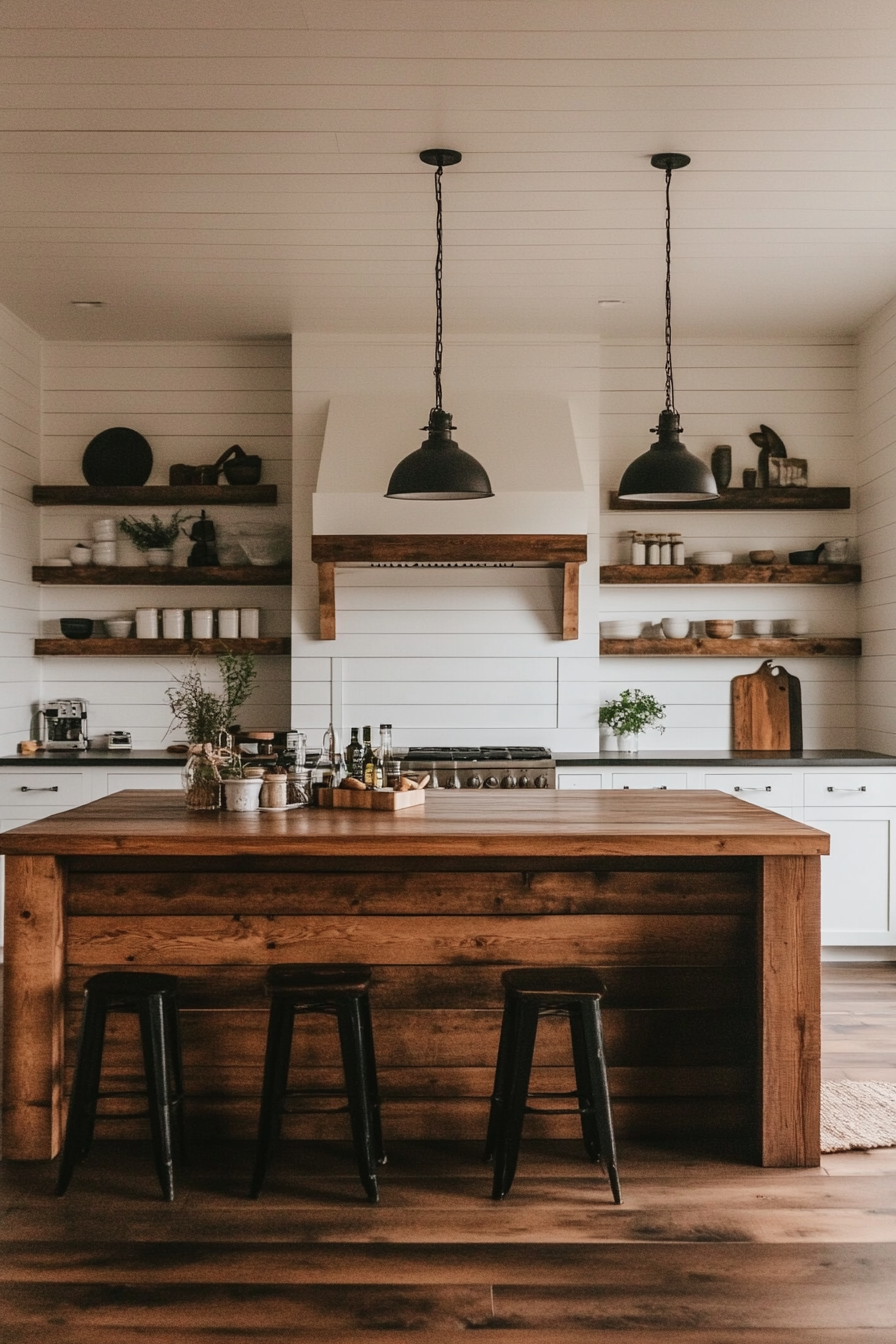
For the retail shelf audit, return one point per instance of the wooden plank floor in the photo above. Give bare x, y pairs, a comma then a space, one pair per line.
704, 1250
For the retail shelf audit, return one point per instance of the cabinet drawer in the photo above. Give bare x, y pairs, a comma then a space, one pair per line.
843, 790
652, 779
28, 788
579, 779
772, 791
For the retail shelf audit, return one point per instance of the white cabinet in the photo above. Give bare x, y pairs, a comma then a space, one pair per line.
649, 779
857, 876
584, 778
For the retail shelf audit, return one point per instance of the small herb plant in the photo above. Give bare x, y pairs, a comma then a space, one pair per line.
153, 535
632, 713
205, 714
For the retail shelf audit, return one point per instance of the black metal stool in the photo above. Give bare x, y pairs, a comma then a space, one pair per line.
340, 990
531, 993
154, 999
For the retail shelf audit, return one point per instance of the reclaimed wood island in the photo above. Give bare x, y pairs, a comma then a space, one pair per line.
701, 910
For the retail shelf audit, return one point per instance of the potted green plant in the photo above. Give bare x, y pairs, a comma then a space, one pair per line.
629, 715
206, 717
153, 537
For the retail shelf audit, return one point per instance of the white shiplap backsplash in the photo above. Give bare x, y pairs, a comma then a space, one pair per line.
474, 656
191, 401
19, 527
876, 468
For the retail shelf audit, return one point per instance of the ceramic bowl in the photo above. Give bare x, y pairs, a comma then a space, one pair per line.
118, 629
720, 629
797, 625
713, 557
621, 629
76, 627
762, 557
676, 627
762, 627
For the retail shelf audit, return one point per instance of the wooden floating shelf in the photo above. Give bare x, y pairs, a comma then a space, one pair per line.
750, 574
176, 575
141, 648
773, 497
771, 647
566, 551
132, 496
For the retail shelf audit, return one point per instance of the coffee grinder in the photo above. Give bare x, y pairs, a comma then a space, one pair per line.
63, 725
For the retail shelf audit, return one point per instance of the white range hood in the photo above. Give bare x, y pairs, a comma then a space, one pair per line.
524, 442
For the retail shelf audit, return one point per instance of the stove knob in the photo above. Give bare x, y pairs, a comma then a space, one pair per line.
508, 782
491, 782
524, 782
474, 782
541, 781
452, 782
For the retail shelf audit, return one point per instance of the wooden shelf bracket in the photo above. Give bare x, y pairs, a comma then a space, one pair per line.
562, 551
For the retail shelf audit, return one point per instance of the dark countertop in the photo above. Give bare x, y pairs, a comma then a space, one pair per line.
97, 757
829, 756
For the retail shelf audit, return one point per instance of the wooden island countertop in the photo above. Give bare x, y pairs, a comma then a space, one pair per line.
701, 910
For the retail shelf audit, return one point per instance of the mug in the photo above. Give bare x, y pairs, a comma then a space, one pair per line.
147, 622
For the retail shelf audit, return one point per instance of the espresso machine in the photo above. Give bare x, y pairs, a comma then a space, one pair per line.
63, 725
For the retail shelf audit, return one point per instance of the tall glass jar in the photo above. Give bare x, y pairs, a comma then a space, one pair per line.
201, 779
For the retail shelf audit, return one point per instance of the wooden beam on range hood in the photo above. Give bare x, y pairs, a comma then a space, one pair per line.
564, 551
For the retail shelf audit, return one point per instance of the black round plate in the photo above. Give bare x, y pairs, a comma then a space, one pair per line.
117, 457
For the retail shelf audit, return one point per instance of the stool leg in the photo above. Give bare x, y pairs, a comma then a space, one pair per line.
513, 1108
372, 1083
502, 1075
584, 1088
158, 1092
357, 1086
591, 1030
85, 1088
273, 1088
175, 1055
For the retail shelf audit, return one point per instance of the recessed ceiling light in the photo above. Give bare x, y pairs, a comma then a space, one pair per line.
87, 303
610, 303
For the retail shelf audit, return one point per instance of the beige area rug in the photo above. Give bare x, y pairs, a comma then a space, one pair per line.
857, 1115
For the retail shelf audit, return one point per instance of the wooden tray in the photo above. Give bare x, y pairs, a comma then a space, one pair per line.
376, 800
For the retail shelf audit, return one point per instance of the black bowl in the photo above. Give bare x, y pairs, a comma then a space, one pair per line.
76, 627
803, 557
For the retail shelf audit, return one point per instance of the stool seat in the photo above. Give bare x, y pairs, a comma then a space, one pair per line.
532, 992
294, 978
153, 998
573, 982
339, 990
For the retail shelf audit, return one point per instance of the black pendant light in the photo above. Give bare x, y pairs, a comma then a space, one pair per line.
667, 472
439, 469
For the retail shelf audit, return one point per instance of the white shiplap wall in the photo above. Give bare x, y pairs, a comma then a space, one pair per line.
473, 657
805, 391
445, 656
191, 401
876, 469
20, 354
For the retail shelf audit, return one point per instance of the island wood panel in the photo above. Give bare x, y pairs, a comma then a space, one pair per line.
603, 891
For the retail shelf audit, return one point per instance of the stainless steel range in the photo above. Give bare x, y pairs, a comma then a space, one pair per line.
483, 767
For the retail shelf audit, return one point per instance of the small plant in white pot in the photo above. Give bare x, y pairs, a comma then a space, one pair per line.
629, 715
153, 537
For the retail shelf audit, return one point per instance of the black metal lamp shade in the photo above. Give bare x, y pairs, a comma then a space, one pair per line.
667, 472
439, 469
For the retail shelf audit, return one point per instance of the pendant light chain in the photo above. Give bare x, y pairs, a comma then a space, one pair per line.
670, 381
438, 364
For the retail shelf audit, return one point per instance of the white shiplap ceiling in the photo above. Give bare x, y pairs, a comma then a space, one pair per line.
214, 169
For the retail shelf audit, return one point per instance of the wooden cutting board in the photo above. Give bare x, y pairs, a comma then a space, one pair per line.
767, 710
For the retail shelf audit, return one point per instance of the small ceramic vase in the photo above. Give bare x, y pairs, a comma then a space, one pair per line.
627, 742
720, 464
242, 794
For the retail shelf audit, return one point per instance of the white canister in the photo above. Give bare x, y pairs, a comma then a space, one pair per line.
105, 553
242, 794
273, 790
172, 623
105, 529
229, 623
202, 622
248, 622
80, 554
147, 622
